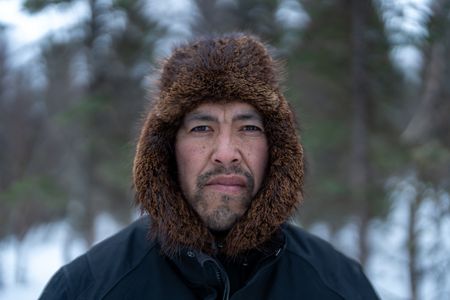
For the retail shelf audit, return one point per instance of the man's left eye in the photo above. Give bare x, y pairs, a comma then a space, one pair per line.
251, 128
201, 128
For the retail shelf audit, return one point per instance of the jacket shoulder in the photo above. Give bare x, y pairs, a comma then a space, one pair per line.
92, 274
339, 272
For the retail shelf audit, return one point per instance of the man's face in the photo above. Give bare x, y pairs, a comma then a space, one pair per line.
222, 153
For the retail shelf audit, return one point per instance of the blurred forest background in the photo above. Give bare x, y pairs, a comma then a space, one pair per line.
372, 97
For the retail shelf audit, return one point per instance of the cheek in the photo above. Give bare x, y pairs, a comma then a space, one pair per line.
189, 163
258, 156
261, 161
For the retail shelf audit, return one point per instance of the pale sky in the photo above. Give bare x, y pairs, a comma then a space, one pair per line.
26, 30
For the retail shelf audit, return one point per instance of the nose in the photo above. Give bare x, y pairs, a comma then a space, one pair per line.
226, 151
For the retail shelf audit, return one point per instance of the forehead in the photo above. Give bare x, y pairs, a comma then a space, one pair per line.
225, 110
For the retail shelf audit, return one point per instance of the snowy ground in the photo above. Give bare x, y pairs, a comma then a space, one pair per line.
44, 255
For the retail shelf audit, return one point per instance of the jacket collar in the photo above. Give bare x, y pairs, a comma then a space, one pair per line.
201, 270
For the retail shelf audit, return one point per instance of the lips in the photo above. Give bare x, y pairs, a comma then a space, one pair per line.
232, 184
232, 180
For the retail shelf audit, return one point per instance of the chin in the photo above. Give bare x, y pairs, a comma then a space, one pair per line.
221, 220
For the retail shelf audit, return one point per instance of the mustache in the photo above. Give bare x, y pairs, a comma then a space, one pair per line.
203, 179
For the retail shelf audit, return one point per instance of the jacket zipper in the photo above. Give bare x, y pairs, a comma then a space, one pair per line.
219, 271
222, 277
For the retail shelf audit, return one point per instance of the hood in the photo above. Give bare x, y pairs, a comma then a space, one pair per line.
225, 68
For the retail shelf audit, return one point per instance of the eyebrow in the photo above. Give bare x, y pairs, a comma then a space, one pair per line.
201, 116
248, 116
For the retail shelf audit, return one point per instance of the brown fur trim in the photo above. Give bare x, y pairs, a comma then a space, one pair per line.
226, 68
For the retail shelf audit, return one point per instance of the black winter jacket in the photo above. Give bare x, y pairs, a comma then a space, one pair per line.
129, 266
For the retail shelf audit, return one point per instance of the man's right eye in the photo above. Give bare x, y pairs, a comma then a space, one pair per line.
201, 128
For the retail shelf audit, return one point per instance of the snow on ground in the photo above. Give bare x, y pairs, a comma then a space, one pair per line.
43, 247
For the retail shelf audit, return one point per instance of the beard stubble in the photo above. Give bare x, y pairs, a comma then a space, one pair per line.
230, 208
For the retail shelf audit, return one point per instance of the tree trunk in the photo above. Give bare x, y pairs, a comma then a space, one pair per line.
359, 176
82, 202
20, 263
420, 126
432, 109
412, 245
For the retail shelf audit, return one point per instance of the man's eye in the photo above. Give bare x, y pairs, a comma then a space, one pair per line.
201, 128
251, 128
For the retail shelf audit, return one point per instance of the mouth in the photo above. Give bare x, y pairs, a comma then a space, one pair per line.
228, 184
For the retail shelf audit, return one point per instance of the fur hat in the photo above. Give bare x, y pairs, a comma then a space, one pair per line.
224, 68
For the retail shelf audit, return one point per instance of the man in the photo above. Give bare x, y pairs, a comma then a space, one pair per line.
219, 170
